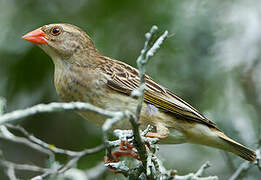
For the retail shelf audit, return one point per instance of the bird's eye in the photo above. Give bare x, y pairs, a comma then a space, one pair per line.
56, 31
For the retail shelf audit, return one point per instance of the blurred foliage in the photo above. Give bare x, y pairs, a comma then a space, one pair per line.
212, 61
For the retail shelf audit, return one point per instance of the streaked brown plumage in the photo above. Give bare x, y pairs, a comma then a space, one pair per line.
82, 73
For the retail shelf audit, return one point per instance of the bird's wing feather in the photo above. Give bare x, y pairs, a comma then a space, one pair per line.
124, 78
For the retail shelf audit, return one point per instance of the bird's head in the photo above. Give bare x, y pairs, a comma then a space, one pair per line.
63, 42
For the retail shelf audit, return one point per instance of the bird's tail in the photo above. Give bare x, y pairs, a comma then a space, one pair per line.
236, 148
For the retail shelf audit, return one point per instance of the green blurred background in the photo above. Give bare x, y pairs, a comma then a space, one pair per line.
212, 62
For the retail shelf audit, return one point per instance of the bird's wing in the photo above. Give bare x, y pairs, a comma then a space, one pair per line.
124, 78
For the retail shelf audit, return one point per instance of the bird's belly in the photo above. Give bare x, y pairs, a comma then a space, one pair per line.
108, 99
75, 87
192, 132
175, 137
121, 102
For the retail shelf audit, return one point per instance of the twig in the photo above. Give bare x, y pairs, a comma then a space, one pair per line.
197, 175
136, 172
142, 60
77, 174
258, 157
70, 163
43, 147
96, 172
6, 134
245, 166
38, 141
138, 141
10, 172
2, 105
56, 107
242, 168
106, 126
24, 167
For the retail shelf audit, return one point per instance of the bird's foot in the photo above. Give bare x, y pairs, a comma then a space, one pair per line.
126, 150
157, 135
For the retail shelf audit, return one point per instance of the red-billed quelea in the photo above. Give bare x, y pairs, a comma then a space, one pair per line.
82, 73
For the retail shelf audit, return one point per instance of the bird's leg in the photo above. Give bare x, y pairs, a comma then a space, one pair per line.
162, 132
157, 135
122, 145
127, 150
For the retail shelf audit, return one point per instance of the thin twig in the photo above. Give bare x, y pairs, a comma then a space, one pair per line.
246, 166
7, 135
43, 147
24, 167
70, 163
197, 175
10, 172
38, 141
242, 169
142, 60
2, 105
138, 141
56, 107
96, 172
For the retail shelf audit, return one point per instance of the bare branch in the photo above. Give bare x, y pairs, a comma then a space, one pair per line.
2, 105
43, 144
24, 167
96, 172
6, 134
202, 169
197, 175
43, 147
56, 107
246, 166
142, 60
242, 168
70, 163
10, 172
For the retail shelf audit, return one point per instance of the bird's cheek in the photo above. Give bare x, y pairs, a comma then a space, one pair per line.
63, 52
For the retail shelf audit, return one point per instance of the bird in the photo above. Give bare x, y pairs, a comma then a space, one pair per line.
83, 74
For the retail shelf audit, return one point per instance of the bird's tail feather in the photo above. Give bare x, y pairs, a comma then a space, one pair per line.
237, 148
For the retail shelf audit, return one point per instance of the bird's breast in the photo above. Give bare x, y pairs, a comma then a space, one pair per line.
80, 84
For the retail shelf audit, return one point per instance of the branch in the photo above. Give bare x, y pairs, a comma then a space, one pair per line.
43, 147
6, 134
10, 172
23, 167
246, 166
91, 174
56, 107
251, 92
96, 172
142, 60
197, 175
2, 105
43, 144
70, 163
241, 169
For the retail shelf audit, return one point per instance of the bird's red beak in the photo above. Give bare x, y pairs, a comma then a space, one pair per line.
36, 36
